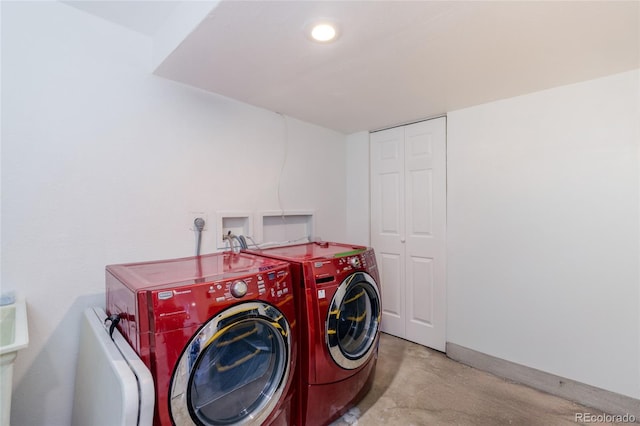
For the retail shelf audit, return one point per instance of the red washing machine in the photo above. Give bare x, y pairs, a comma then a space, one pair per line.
218, 333
338, 307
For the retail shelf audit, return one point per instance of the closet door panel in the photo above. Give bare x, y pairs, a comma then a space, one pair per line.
387, 224
425, 195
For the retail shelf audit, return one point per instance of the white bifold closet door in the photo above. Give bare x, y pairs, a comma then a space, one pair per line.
408, 224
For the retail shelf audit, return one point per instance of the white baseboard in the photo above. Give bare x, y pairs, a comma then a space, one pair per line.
590, 396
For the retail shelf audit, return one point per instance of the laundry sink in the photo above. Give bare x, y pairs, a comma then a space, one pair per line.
14, 335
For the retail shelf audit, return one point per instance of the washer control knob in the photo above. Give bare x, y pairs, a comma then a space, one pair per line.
239, 289
355, 262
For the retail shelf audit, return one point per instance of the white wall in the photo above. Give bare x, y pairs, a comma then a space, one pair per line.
358, 199
101, 163
543, 231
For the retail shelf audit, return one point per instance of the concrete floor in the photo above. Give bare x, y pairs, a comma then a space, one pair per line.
415, 385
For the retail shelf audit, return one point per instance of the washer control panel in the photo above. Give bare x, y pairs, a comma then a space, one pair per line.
238, 289
274, 283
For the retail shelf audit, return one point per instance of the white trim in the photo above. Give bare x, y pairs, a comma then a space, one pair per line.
581, 393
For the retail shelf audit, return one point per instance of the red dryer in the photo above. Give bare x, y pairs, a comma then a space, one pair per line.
218, 333
338, 308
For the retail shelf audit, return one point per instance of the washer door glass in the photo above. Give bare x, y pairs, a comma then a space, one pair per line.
353, 321
237, 367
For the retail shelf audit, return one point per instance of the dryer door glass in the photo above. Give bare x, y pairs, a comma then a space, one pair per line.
237, 366
353, 320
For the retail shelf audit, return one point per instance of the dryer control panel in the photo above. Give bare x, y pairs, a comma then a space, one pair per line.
331, 270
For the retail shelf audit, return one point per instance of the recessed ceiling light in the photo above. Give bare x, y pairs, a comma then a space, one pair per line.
323, 32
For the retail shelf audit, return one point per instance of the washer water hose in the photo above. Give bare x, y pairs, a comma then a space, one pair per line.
241, 240
199, 224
